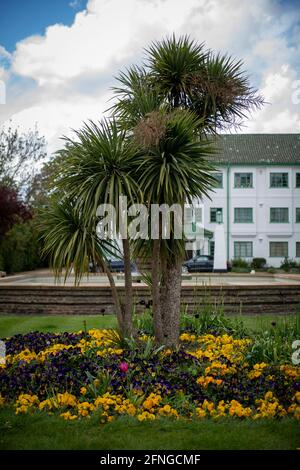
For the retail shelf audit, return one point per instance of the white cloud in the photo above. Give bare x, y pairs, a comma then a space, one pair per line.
64, 76
4, 53
280, 114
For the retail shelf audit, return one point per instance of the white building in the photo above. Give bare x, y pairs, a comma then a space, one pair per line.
258, 196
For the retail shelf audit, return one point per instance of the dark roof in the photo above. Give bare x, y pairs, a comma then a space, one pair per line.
258, 149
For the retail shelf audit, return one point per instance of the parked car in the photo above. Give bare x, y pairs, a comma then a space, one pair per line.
201, 263
117, 266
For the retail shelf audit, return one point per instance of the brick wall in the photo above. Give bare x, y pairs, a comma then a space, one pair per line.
47, 300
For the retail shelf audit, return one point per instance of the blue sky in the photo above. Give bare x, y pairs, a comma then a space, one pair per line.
58, 58
22, 18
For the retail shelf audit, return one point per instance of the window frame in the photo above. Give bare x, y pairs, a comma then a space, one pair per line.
243, 173
242, 221
235, 244
272, 173
216, 209
297, 217
222, 179
279, 256
297, 253
297, 185
280, 222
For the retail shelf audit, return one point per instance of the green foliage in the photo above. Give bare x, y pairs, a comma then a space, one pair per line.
68, 240
20, 249
210, 322
99, 384
143, 323
273, 343
288, 264
240, 263
258, 263
18, 154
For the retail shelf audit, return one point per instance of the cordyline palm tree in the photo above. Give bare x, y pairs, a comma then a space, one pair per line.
174, 170
98, 167
70, 242
210, 92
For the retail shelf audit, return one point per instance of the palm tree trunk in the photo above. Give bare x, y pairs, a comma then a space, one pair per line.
156, 300
128, 305
170, 303
114, 292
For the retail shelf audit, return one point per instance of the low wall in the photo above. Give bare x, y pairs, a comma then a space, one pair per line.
47, 300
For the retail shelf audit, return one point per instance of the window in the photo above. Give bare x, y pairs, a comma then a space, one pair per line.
243, 180
211, 248
297, 215
279, 180
243, 215
279, 249
279, 215
297, 180
243, 249
213, 213
219, 177
297, 249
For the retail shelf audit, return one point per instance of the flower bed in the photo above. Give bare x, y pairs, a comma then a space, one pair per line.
78, 374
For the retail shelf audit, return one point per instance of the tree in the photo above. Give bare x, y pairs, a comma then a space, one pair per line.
19, 155
156, 149
12, 210
178, 75
97, 168
70, 242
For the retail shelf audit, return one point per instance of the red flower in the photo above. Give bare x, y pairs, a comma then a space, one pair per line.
123, 367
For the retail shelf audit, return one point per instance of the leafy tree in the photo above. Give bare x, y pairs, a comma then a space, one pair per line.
12, 209
97, 168
20, 248
19, 155
210, 92
156, 149
70, 241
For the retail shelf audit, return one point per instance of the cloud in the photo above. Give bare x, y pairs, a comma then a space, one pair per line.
76, 4
281, 113
63, 77
4, 54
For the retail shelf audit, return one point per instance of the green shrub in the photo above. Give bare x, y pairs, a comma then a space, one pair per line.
258, 263
20, 249
2, 266
288, 264
240, 263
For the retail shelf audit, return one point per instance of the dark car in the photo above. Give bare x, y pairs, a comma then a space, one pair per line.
117, 266
201, 263
114, 265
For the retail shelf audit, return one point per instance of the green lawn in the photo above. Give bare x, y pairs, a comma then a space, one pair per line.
13, 324
51, 432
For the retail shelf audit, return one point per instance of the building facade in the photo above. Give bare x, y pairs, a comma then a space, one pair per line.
257, 197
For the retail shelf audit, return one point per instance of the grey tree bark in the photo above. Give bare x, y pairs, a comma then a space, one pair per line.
128, 329
170, 303
156, 294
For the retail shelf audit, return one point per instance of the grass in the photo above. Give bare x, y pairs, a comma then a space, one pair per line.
41, 432
15, 324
